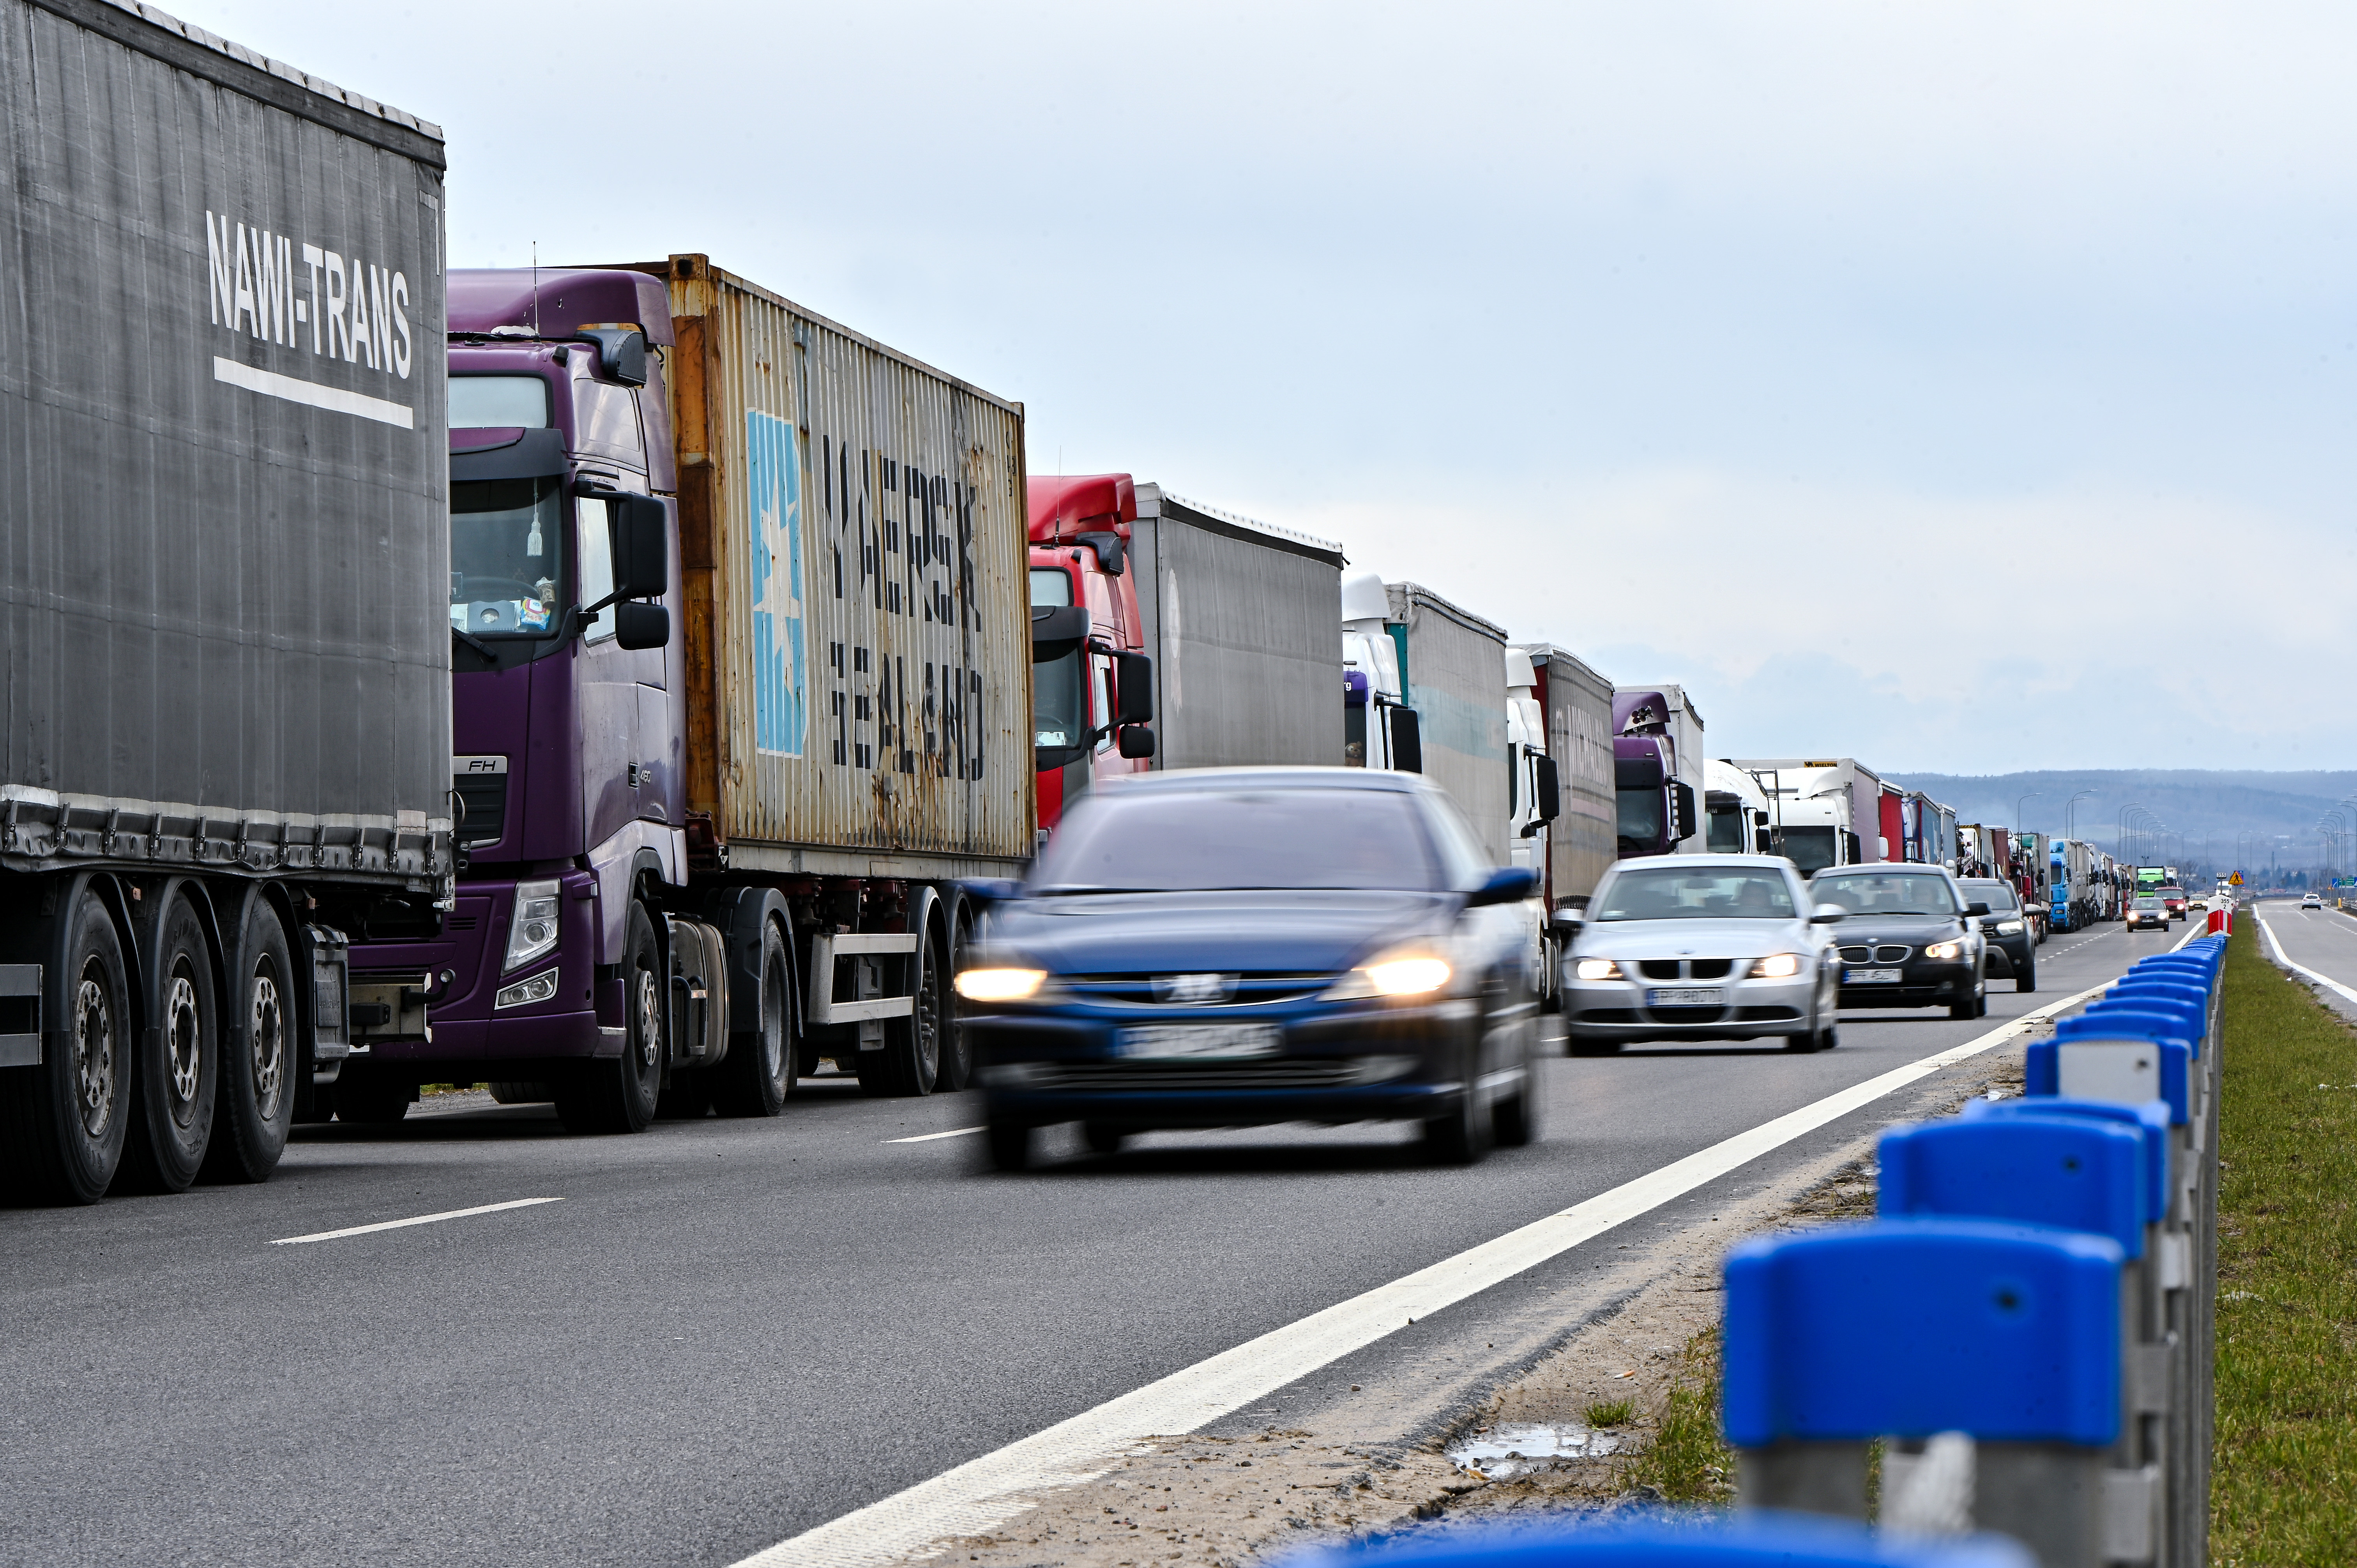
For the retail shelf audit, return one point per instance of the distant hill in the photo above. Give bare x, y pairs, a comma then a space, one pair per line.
2201, 803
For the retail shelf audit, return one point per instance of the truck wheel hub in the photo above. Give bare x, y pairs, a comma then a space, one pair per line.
267, 1030
93, 1038
185, 1038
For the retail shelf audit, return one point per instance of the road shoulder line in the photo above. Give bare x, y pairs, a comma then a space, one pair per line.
2284, 959
985, 1492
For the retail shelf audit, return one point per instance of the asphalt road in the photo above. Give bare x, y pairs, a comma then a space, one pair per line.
727, 1332
2324, 940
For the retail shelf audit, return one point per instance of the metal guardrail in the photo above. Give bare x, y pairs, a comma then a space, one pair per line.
2026, 1330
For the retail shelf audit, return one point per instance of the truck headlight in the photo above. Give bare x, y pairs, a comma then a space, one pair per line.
524, 992
1415, 971
1000, 984
1945, 951
1597, 968
531, 925
1777, 966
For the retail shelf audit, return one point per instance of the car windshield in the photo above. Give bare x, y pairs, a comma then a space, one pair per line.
2147, 904
505, 571
1995, 894
1885, 893
1711, 893
1194, 840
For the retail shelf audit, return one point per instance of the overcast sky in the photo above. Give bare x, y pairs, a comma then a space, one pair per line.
1934, 383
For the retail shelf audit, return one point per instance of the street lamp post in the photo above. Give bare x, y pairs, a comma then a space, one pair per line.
2016, 811
2070, 810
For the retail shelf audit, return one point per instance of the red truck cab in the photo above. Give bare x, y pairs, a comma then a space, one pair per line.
1092, 682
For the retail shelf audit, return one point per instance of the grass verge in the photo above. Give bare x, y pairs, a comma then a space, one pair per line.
1688, 1461
2283, 1488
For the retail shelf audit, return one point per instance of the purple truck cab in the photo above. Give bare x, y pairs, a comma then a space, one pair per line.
568, 744
1655, 807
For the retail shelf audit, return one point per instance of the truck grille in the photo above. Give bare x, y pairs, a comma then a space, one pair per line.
1198, 1077
1882, 953
485, 798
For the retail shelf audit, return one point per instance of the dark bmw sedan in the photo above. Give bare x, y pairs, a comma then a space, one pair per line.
1912, 938
1237, 947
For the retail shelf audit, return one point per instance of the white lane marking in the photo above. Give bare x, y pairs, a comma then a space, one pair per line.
414, 1219
2284, 959
983, 1493
294, 389
929, 1137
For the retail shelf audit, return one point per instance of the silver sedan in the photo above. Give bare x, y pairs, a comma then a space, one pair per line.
1712, 947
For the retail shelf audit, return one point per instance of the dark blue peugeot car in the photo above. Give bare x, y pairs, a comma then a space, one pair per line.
1236, 947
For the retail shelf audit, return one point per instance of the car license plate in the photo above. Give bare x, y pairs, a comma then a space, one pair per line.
1198, 1042
1685, 996
1871, 976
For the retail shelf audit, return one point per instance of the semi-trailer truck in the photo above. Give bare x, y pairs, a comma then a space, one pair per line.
1424, 692
1738, 811
227, 676
1576, 703
1844, 827
742, 679
1657, 758
1092, 681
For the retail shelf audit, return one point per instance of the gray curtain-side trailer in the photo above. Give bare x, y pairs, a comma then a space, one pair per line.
1453, 663
227, 741
1583, 841
1239, 618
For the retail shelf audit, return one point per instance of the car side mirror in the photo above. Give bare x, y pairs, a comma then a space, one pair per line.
1507, 884
1828, 915
988, 890
1566, 921
1977, 909
641, 625
1135, 742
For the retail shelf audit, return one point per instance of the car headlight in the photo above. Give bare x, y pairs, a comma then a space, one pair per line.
2008, 928
1597, 968
531, 925
1777, 966
1944, 950
1000, 984
1417, 970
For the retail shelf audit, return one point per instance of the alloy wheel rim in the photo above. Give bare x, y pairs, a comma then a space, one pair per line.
650, 1022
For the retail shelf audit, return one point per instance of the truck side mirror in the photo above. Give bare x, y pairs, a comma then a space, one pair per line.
1681, 801
641, 625
1135, 742
1133, 687
1407, 741
1549, 791
621, 353
642, 547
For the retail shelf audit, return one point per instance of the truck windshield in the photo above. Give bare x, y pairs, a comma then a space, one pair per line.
1727, 831
1051, 586
484, 401
1885, 893
1641, 817
1202, 840
1718, 893
1811, 849
1060, 701
506, 537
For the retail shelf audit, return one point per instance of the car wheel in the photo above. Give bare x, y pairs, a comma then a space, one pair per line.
1102, 1138
758, 1075
1514, 1121
620, 1096
1964, 1009
1009, 1145
1460, 1137
173, 1099
257, 1087
2025, 977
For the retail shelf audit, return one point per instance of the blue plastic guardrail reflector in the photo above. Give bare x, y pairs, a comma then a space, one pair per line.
2164, 983
2150, 1118
2185, 1020
2074, 1174
1761, 1539
2116, 1059
1908, 1327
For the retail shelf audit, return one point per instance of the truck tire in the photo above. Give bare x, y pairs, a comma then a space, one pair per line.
957, 1051
63, 1123
910, 1061
256, 1105
364, 1101
177, 1062
619, 1095
759, 1073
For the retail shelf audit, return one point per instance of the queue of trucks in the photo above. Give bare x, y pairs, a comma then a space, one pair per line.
604, 682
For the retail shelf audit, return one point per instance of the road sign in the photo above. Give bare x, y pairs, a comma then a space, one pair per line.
2236, 879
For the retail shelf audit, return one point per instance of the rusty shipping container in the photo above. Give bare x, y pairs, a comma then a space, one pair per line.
857, 624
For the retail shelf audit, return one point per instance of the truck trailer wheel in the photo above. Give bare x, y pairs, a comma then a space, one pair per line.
257, 1079
620, 1096
956, 1050
173, 1102
911, 1059
62, 1122
759, 1073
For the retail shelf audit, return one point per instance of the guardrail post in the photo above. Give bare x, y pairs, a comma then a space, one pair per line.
1911, 1328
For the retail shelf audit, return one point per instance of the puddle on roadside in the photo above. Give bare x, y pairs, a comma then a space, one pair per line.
1503, 1452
